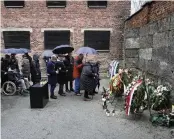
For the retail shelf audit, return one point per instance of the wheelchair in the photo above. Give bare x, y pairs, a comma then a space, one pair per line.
10, 87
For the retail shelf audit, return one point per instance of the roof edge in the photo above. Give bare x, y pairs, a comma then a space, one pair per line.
142, 7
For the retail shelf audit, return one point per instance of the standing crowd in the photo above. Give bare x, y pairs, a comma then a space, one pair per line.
61, 69
64, 70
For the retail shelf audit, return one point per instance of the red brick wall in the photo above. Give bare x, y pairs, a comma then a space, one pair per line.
151, 12
76, 15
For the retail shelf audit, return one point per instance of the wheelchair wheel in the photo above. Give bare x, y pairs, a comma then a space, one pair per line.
9, 88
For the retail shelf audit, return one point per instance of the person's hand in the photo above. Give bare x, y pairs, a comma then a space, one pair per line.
66, 70
57, 71
5, 73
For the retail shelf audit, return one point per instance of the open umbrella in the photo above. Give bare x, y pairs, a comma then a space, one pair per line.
86, 50
47, 53
63, 49
15, 51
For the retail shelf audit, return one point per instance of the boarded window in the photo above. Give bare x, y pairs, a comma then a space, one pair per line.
13, 4
54, 4
17, 39
56, 38
99, 40
97, 4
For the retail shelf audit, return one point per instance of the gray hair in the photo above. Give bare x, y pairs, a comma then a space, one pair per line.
53, 58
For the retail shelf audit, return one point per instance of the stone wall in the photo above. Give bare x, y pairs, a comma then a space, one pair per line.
149, 40
76, 16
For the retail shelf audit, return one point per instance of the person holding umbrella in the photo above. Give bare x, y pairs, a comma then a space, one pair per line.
60, 65
52, 78
69, 63
62, 72
78, 65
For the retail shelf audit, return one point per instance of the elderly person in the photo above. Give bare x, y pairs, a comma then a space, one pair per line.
52, 75
25, 67
35, 71
69, 63
62, 74
30, 61
88, 81
78, 65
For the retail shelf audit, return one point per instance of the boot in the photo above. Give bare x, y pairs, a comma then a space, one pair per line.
62, 94
87, 98
68, 91
53, 97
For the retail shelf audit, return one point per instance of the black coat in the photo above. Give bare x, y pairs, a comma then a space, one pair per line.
35, 70
14, 64
62, 75
52, 76
69, 64
87, 79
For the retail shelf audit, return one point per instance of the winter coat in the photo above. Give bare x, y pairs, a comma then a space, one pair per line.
14, 63
69, 63
5, 63
78, 65
35, 70
95, 69
62, 75
52, 76
87, 79
30, 60
25, 67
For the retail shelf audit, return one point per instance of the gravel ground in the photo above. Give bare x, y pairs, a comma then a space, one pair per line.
71, 118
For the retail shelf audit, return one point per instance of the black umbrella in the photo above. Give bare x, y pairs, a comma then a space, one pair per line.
63, 49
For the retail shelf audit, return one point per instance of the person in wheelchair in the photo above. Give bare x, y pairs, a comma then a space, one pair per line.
18, 79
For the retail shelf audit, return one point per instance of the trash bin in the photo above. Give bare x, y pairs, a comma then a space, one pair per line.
39, 95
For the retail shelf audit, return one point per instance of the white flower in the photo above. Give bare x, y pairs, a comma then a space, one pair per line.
103, 99
165, 88
107, 113
159, 94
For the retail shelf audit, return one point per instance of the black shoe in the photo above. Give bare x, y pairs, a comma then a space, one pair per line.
91, 94
68, 91
72, 90
53, 97
78, 94
87, 99
62, 94
95, 92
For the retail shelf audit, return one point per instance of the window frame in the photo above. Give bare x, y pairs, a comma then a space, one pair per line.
96, 6
56, 6
46, 43
14, 6
109, 41
27, 41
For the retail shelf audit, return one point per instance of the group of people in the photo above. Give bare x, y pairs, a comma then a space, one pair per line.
64, 70
30, 70
61, 69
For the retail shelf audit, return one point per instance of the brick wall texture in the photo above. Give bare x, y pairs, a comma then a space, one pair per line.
76, 16
149, 40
